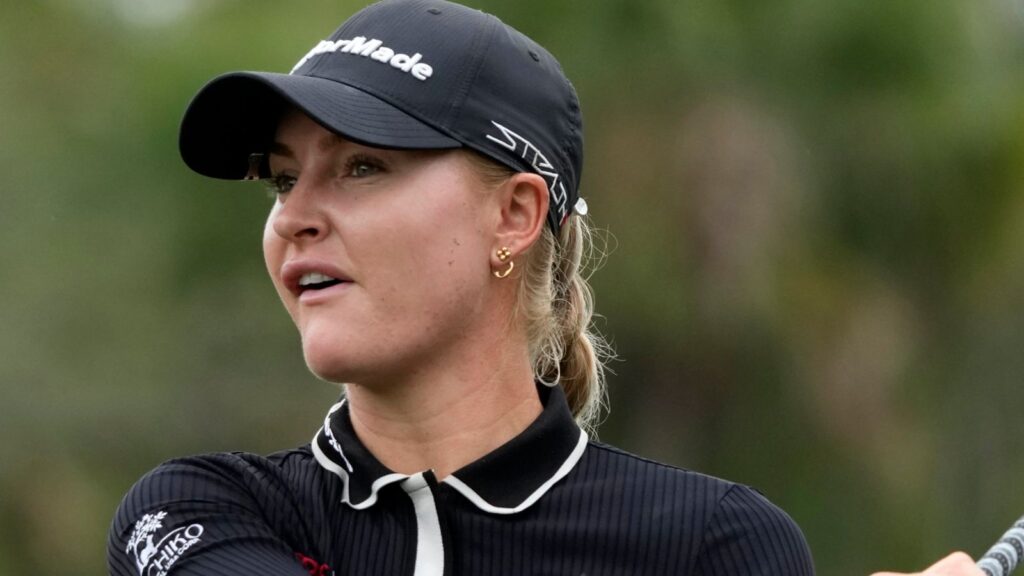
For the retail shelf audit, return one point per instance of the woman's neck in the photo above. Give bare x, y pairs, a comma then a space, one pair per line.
447, 419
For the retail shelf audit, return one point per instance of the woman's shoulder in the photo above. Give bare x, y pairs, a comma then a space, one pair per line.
237, 472
627, 469
185, 506
219, 479
721, 523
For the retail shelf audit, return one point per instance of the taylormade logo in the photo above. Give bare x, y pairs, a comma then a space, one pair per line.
375, 50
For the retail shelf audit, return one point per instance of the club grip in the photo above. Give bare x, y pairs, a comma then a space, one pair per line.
1001, 559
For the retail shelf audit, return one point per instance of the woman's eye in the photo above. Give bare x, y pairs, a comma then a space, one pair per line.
280, 183
361, 167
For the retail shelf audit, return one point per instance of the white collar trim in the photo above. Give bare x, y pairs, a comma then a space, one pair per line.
562, 472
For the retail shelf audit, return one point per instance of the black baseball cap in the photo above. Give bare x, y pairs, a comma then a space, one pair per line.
405, 74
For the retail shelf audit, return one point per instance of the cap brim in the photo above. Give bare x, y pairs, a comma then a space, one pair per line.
236, 114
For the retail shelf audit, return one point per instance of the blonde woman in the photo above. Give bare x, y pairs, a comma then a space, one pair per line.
427, 239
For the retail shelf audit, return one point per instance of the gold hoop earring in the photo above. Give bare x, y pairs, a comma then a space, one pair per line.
503, 255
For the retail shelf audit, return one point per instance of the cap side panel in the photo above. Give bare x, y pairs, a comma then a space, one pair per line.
478, 50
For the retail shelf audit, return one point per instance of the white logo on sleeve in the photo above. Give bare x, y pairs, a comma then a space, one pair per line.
156, 558
375, 50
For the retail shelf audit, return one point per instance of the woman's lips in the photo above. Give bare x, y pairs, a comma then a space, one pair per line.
307, 277
316, 295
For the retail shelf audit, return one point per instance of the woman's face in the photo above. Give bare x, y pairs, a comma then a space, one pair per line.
381, 257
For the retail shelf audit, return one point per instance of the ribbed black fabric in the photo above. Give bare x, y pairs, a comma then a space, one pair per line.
612, 514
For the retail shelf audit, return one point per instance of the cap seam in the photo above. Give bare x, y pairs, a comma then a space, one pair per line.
456, 107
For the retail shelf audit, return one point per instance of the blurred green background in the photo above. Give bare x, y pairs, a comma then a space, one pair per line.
816, 282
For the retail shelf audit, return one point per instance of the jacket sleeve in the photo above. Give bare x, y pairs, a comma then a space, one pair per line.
750, 536
215, 515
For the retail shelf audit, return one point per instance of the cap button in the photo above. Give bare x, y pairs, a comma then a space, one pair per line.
581, 207
434, 11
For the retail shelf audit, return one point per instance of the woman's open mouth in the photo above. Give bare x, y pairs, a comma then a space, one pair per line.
316, 286
316, 281
311, 280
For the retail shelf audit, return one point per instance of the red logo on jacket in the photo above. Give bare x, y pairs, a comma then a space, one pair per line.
315, 568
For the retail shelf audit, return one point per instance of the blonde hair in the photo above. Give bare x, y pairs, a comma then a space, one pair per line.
556, 305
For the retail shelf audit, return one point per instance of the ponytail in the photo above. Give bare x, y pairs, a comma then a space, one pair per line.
557, 305
579, 367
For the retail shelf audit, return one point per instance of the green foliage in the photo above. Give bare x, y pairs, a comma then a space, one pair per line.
815, 288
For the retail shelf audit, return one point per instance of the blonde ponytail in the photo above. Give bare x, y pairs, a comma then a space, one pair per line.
565, 348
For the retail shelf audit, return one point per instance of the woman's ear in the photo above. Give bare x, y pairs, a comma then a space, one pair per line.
524, 208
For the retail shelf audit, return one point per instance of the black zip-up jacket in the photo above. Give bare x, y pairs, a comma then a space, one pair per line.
549, 502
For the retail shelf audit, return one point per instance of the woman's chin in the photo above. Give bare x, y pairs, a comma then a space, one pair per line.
327, 364
330, 376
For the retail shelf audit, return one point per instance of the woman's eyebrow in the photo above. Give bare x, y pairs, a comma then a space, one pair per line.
281, 150
330, 141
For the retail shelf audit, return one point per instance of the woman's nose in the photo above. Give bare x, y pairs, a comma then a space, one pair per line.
297, 216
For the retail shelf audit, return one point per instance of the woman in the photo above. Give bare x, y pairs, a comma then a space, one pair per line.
426, 240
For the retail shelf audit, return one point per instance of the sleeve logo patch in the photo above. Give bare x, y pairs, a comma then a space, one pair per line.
155, 558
